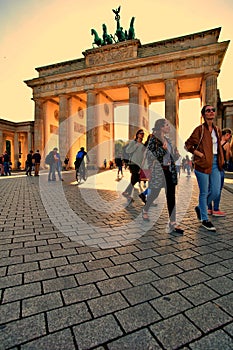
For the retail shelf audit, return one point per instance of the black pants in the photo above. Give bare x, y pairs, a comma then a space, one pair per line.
134, 169
170, 191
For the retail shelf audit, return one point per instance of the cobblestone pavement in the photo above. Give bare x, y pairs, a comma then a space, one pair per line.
81, 270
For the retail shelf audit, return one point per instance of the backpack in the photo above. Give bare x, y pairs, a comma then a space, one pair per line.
49, 158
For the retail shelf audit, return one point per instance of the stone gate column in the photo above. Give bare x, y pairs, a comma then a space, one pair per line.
210, 88
16, 149
1, 142
172, 107
29, 137
134, 112
91, 128
63, 133
38, 127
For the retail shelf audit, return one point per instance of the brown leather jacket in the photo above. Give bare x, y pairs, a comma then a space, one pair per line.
204, 164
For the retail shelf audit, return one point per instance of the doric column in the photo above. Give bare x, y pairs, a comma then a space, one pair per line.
16, 149
210, 89
38, 127
172, 107
134, 111
91, 129
1, 142
29, 136
64, 145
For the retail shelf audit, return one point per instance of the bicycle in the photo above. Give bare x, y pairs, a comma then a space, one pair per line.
81, 174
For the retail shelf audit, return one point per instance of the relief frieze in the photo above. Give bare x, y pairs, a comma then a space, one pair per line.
127, 75
117, 55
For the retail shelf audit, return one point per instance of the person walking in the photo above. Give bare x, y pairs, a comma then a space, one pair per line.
37, 158
66, 162
29, 164
161, 161
119, 165
54, 162
213, 208
205, 144
6, 162
136, 150
178, 162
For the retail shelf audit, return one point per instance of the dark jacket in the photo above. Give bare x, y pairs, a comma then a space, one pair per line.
155, 155
204, 164
37, 157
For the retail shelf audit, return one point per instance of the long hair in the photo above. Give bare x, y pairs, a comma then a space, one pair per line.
138, 132
159, 124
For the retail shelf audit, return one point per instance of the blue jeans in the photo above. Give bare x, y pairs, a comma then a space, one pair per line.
209, 187
217, 200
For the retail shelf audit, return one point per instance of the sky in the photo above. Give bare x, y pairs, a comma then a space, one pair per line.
39, 33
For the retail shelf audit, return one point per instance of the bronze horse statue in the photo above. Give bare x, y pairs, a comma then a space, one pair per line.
131, 33
97, 40
107, 39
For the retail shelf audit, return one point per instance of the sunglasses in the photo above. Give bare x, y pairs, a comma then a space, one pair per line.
208, 110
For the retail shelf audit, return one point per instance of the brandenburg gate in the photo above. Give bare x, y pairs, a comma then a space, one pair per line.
75, 100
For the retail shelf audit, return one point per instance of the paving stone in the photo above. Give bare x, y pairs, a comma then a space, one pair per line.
98, 264
216, 270
194, 277
166, 259
186, 254
170, 284
221, 285
167, 270
44, 264
96, 332
67, 316
142, 277
229, 329
123, 258
216, 340
140, 293
228, 263
20, 331
59, 283
8, 260
107, 304
37, 256
175, 332
144, 264
226, 302
21, 292
70, 269
24, 267
225, 254
11, 281
9, 312
140, 340
3, 271
199, 294
143, 254
170, 305
136, 317
189, 264
90, 277
208, 316
39, 275
81, 293
41, 303
119, 270
113, 285
56, 341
